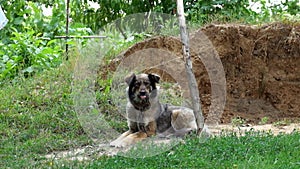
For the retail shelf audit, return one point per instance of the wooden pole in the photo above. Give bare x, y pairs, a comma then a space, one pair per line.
188, 65
67, 28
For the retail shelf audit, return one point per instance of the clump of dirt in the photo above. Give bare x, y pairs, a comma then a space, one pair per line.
261, 65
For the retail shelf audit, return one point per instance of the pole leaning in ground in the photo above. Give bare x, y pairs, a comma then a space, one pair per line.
188, 66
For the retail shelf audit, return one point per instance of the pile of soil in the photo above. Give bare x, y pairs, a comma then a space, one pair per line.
262, 70
261, 65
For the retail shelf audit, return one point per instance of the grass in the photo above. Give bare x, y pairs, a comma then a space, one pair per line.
37, 117
254, 150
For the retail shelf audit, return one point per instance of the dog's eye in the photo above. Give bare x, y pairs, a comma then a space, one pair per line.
137, 84
146, 83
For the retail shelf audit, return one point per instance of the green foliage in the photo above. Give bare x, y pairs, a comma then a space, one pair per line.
240, 10
206, 11
28, 53
111, 10
28, 39
22, 14
293, 6
200, 11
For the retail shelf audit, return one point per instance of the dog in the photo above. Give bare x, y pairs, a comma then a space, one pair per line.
147, 117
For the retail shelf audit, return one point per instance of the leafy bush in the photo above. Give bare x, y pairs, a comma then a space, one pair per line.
28, 53
28, 39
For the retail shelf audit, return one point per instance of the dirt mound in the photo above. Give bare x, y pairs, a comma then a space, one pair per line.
261, 64
262, 70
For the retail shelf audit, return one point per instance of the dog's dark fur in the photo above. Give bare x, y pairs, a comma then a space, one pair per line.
146, 116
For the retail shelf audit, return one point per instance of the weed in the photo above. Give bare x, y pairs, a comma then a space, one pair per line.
284, 122
264, 120
237, 121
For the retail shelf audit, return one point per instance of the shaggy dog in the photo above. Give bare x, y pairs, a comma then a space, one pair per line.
146, 116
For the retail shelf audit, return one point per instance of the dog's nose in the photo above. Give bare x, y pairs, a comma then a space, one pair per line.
143, 87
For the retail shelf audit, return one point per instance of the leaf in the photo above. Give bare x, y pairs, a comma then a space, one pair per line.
51, 42
18, 20
5, 58
29, 69
129, 39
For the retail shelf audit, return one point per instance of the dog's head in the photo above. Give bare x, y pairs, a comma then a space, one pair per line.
139, 89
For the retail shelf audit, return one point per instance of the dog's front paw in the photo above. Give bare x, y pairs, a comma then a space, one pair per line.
123, 143
120, 143
117, 143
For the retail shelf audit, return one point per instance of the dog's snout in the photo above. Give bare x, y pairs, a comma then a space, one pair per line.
142, 88
143, 92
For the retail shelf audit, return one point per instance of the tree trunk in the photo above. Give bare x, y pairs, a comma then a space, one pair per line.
188, 65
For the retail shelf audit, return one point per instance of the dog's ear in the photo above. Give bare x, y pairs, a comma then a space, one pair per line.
130, 79
153, 78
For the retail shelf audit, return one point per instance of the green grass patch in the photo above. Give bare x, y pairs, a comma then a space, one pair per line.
254, 150
37, 117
